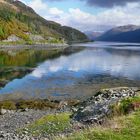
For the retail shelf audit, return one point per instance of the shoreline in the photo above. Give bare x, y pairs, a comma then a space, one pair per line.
66, 119
34, 46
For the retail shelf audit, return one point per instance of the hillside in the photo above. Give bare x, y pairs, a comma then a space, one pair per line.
20, 22
128, 33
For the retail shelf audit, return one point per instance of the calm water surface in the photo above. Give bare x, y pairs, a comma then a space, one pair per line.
77, 75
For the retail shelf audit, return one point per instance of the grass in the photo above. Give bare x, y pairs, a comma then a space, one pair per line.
51, 124
120, 128
122, 125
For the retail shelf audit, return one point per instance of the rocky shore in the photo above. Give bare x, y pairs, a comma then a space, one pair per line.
97, 107
94, 110
35, 46
11, 121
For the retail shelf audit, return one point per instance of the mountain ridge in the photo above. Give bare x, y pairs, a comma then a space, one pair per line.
127, 33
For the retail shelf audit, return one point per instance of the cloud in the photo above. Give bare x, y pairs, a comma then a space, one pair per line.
42, 8
105, 3
38, 5
55, 11
109, 3
77, 18
102, 21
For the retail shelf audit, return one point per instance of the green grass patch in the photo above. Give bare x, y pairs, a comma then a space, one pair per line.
51, 124
121, 128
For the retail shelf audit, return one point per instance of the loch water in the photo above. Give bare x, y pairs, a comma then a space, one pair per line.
70, 75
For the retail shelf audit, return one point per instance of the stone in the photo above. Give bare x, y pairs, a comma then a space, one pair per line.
3, 111
12, 38
94, 109
36, 37
74, 109
62, 104
24, 110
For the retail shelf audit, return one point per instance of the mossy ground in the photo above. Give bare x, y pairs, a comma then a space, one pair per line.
51, 124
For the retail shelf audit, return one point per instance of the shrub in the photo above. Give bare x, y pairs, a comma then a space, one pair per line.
124, 106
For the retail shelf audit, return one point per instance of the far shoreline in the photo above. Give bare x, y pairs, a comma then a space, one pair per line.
33, 46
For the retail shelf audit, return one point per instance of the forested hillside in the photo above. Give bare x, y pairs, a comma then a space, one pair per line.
20, 20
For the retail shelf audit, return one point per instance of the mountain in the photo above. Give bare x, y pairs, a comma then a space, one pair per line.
128, 33
19, 21
92, 35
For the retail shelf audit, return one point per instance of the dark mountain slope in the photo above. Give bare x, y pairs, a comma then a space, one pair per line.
129, 33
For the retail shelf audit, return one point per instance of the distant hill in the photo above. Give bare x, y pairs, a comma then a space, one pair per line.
128, 33
17, 20
92, 35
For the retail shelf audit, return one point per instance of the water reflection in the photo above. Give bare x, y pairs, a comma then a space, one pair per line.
68, 74
25, 58
94, 61
18, 63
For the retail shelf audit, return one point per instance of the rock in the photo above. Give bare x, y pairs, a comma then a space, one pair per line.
14, 120
74, 109
3, 111
36, 37
63, 104
13, 136
94, 109
12, 38
25, 132
24, 110
10, 111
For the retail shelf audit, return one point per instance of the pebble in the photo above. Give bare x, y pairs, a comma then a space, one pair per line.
10, 121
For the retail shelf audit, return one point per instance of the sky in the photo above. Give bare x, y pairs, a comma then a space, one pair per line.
89, 15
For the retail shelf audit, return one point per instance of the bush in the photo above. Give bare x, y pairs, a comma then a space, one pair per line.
125, 106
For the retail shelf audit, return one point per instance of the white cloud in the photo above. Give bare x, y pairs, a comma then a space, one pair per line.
55, 11
104, 20
43, 9
86, 21
38, 5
